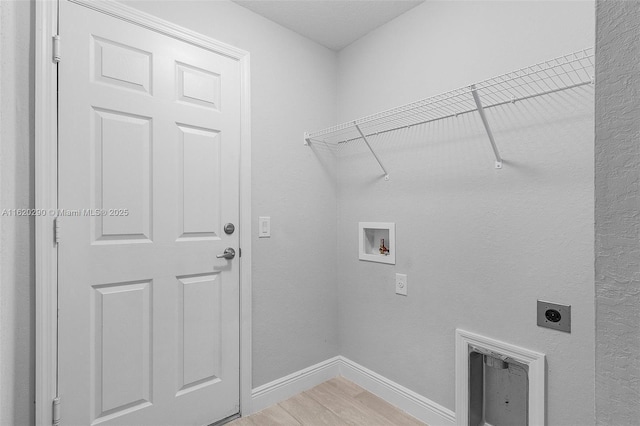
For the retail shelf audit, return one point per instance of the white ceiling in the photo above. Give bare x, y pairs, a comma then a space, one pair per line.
333, 23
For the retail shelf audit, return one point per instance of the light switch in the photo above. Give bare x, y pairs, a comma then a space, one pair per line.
264, 227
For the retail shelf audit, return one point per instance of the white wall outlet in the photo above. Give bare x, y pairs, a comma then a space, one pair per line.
264, 227
401, 284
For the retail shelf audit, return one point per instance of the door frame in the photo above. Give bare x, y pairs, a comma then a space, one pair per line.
46, 189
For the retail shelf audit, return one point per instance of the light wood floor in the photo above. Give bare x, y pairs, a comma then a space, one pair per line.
335, 402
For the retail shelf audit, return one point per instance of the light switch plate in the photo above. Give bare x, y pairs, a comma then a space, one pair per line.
401, 284
264, 227
554, 316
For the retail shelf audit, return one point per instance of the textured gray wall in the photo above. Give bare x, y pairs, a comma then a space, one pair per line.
17, 325
617, 245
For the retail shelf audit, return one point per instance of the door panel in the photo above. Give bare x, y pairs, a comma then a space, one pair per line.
121, 172
198, 86
199, 162
121, 65
148, 316
199, 307
122, 318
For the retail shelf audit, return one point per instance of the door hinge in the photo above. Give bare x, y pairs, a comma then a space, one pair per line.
56, 230
240, 252
55, 421
56, 48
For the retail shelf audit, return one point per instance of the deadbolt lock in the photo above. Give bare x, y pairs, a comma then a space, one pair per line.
229, 228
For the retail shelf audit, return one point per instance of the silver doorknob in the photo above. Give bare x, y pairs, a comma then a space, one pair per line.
229, 253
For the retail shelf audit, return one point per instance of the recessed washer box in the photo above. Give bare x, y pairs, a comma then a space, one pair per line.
371, 235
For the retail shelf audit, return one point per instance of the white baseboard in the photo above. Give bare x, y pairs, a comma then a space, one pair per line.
285, 387
407, 400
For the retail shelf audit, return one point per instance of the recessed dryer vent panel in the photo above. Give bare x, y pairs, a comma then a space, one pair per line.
498, 383
377, 242
498, 390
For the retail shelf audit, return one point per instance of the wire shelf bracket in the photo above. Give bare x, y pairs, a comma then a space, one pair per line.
554, 75
386, 175
485, 122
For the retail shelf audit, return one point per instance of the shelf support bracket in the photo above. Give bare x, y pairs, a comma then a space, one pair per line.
476, 98
386, 175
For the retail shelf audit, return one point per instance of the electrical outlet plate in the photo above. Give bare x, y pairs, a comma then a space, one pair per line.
554, 316
401, 284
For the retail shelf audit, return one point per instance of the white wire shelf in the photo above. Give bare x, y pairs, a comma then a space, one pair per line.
555, 75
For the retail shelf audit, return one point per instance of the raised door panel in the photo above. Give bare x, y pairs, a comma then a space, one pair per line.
121, 65
199, 331
122, 364
122, 176
199, 182
198, 86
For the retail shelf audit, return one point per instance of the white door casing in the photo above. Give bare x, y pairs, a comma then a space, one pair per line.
150, 130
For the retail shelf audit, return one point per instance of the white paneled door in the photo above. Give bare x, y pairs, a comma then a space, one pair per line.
149, 139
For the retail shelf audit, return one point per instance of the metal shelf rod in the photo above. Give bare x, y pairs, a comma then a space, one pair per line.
476, 98
386, 175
